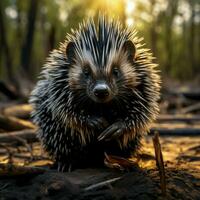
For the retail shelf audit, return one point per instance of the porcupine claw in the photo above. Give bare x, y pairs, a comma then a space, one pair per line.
113, 131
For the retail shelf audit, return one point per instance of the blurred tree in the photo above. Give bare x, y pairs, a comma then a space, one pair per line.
153, 31
192, 39
28, 41
5, 47
192, 33
170, 14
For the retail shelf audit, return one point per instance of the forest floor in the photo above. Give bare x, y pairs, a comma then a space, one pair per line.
182, 168
25, 169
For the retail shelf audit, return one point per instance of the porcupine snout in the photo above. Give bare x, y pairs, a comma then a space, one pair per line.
102, 92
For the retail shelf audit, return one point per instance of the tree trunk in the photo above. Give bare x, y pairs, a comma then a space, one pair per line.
170, 14
19, 23
5, 48
28, 43
191, 45
153, 30
51, 39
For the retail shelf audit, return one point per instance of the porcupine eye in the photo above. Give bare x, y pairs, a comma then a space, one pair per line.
86, 71
115, 72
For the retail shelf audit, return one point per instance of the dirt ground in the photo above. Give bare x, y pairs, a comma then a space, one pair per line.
182, 166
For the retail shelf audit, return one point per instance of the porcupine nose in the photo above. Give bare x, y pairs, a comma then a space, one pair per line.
101, 91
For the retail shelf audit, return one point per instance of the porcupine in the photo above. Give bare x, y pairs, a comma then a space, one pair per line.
97, 93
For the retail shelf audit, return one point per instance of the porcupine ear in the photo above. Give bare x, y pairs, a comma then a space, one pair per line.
129, 47
70, 51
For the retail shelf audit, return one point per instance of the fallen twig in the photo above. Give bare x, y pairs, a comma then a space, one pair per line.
159, 162
172, 131
7, 91
101, 184
7, 170
36, 158
194, 95
178, 118
9, 152
191, 108
117, 162
28, 134
24, 142
21, 111
14, 124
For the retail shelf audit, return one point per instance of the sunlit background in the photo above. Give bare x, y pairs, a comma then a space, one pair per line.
30, 29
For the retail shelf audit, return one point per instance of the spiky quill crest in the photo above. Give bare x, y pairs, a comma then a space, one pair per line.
58, 98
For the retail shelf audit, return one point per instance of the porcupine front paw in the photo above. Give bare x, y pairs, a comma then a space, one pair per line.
113, 131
